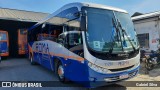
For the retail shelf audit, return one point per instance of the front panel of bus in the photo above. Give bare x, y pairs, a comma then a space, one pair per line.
4, 43
110, 44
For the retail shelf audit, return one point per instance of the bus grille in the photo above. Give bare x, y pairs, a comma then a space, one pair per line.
121, 69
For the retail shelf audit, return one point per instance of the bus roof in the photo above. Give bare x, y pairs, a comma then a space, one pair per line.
79, 5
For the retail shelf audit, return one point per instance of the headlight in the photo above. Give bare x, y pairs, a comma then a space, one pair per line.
98, 68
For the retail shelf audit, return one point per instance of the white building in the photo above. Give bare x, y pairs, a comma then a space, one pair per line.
148, 29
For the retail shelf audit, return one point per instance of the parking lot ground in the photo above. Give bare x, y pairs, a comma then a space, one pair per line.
21, 70
153, 75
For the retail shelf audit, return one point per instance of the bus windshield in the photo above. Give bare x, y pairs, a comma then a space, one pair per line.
3, 36
102, 35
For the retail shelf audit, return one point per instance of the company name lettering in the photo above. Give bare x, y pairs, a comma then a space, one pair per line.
42, 47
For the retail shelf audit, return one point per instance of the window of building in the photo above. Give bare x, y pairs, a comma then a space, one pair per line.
143, 40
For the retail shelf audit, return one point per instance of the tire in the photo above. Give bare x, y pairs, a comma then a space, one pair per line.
60, 72
32, 60
149, 66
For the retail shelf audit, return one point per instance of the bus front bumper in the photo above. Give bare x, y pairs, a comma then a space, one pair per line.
98, 79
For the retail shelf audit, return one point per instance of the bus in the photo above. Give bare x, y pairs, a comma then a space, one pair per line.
90, 44
22, 41
4, 44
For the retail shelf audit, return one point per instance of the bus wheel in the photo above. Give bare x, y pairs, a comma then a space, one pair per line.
32, 61
60, 72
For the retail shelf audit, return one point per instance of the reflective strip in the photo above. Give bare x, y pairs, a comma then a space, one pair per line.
64, 56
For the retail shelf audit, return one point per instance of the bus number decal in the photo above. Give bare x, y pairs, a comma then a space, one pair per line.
109, 64
123, 63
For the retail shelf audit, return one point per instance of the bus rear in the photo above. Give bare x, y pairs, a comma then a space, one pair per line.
4, 44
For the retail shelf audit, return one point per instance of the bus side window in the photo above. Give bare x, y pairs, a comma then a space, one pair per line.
60, 40
39, 37
52, 36
75, 39
76, 44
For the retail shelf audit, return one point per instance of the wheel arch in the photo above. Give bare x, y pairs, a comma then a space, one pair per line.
56, 61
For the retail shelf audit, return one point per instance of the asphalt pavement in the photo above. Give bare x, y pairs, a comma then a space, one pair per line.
20, 69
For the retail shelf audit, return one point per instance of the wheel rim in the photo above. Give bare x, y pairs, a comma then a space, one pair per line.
61, 72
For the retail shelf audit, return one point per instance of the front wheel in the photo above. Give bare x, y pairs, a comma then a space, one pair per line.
60, 72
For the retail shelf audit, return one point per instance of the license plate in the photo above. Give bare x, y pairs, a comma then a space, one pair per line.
124, 76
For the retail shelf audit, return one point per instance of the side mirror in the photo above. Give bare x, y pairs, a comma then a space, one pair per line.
83, 23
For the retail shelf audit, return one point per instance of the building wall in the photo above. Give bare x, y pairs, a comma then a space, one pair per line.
149, 26
12, 28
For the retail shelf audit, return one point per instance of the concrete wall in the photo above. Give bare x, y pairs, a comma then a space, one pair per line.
150, 26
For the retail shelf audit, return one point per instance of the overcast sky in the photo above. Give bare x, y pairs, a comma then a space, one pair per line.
49, 6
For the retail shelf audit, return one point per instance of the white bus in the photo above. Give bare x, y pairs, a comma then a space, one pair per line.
91, 44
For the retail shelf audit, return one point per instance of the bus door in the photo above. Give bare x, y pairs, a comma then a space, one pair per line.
75, 42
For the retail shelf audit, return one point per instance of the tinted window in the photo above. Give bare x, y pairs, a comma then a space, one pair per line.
3, 36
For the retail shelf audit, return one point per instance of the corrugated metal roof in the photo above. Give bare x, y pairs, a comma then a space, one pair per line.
145, 16
21, 15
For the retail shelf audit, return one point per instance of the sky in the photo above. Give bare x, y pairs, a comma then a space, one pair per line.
49, 6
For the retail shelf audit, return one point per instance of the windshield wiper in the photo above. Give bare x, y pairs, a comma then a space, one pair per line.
118, 36
124, 32
115, 24
112, 37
